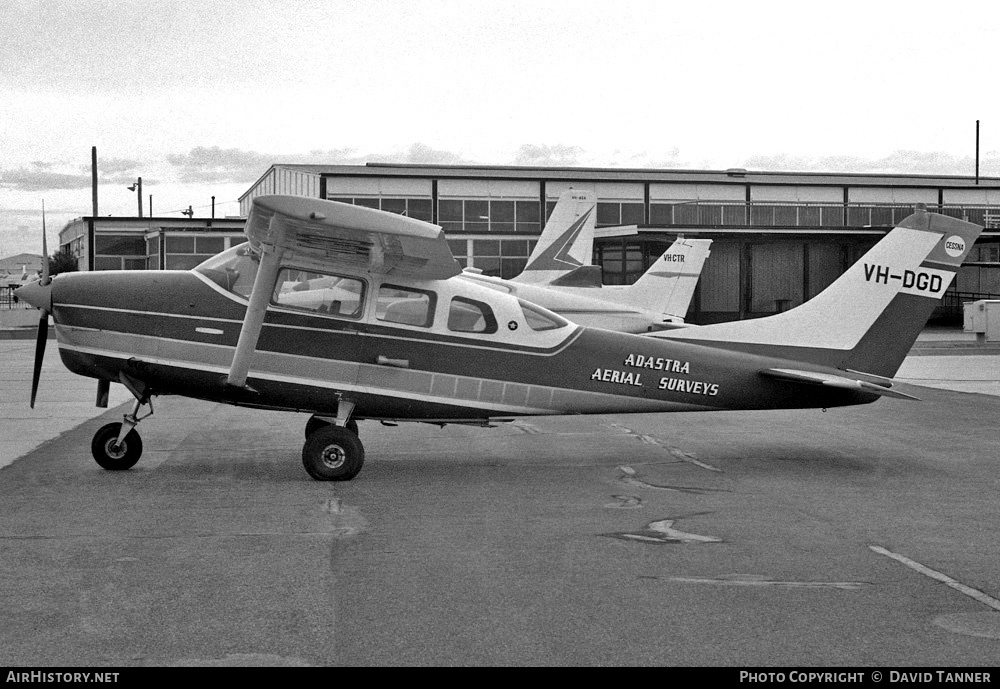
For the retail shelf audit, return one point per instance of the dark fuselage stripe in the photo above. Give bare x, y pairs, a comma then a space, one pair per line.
481, 393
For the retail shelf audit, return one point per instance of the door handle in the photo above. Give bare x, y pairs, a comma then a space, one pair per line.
386, 361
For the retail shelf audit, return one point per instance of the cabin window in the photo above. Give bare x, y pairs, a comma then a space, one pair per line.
322, 293
405, 306
538, 318
469, 316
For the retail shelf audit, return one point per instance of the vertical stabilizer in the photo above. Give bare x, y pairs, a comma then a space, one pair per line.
868, 319
567, 242
668, 286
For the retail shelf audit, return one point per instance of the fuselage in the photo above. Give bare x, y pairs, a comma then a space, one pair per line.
472, 354
594, 307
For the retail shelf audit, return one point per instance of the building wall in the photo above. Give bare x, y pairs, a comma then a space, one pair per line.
282, 180
111, 243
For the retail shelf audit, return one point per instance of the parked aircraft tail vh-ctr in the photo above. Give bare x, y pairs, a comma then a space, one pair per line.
392, 337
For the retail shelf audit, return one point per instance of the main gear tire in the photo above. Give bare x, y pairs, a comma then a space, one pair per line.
333, 453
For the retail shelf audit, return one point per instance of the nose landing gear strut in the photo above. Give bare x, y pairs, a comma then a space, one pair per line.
117, 446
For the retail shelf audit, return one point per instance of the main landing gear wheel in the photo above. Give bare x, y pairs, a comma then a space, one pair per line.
333, 453
315, 423
114, 456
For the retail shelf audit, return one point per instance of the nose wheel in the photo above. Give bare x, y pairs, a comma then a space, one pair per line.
117, 446
112, 454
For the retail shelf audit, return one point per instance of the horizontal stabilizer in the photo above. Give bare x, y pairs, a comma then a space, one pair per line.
584, 276
817, 378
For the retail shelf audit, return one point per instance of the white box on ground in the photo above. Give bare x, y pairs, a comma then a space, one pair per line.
983, 318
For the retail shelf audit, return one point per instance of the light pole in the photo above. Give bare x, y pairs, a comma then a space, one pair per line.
135, 187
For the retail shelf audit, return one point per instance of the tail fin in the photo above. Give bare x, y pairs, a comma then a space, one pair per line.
567, 242
869, 318
668, 285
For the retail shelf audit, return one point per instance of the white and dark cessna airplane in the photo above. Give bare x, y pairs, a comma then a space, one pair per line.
559, 275
396, 338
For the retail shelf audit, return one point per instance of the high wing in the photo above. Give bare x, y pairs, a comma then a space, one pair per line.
321, 235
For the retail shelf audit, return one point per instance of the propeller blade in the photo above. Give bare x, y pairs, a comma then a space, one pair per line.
43, 336
46, 278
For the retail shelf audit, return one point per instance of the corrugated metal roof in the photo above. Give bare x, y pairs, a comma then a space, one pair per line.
731, 176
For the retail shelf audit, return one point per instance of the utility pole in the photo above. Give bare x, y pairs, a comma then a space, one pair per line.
93, 176
137, 187
977, 151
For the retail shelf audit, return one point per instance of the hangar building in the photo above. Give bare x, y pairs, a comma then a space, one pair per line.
778, 238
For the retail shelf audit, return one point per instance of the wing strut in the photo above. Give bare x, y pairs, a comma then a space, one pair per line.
263, 285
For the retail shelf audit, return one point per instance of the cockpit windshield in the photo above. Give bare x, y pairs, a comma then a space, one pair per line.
233, 270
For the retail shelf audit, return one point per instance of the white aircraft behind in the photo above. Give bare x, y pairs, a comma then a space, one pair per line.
559, 275
658, 300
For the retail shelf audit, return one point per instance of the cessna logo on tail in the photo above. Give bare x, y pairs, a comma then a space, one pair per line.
927, 281
954, 246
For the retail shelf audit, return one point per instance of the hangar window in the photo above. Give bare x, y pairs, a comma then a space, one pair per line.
470, 316
324, 294
119, 245
615, 213
488, 215
504, 258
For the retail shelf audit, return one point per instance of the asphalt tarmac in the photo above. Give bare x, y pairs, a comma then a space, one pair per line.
861, 537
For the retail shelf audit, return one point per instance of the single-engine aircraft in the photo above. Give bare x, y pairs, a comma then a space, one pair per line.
397, 339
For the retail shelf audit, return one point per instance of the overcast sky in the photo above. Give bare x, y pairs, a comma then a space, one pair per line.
199, 98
